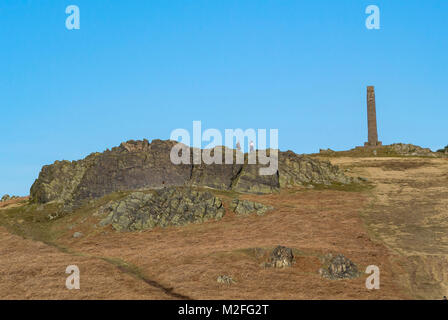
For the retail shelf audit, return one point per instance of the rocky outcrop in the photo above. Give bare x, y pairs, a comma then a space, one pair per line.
7, 197
327, 151
281, 257
392, 150
142, 165
338, 267
409, 149
444, 150
132, 165
170, 206
299, 170
245, 207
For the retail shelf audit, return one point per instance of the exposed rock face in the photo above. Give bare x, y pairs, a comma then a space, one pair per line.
132, 165
218, 176
143, 165
165, 207
281, 257
338, 267
409, 149
298, 170
245, 207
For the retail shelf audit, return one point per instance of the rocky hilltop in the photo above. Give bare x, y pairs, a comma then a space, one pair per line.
392, 150
138, 165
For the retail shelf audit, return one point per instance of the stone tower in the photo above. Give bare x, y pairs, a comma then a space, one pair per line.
371, 119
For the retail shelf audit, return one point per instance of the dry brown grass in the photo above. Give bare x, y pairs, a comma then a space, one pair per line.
375, 226
33, 270
13, 202
190, 258
409, 213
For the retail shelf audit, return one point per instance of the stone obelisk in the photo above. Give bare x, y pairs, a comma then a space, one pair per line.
371, 119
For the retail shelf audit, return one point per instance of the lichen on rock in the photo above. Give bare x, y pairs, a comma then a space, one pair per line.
297, 170
169, 206
245, 207
136, 165
338, 267
409, 149
281, 257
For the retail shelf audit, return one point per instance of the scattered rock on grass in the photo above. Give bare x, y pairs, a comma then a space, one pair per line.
225, 279
281, 257
338, 267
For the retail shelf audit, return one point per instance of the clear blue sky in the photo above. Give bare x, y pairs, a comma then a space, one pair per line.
139, 69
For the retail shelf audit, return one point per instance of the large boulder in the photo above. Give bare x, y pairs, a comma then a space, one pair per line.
172, 206
142, 165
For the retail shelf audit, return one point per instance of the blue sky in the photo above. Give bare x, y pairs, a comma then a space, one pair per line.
140, 69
